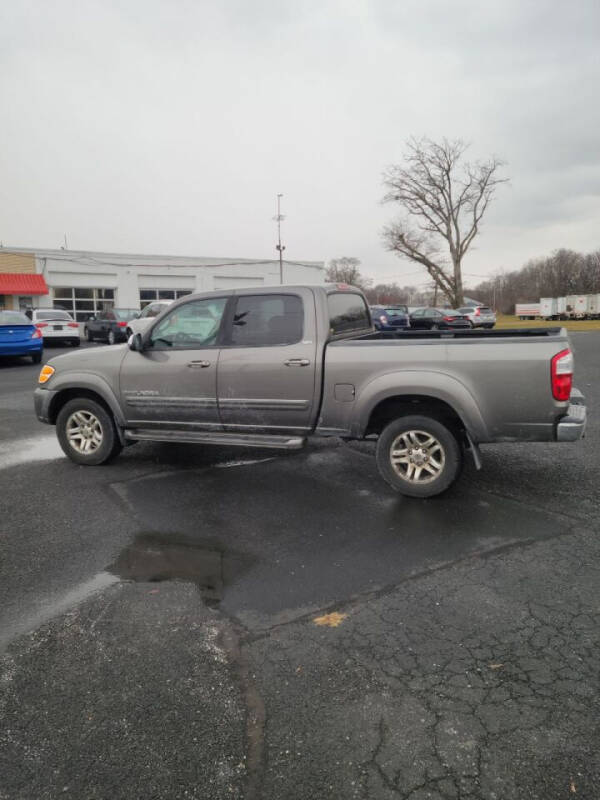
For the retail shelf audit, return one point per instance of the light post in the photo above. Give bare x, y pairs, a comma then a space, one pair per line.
280, 247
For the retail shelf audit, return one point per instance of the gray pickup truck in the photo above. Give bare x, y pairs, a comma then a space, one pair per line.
268, 367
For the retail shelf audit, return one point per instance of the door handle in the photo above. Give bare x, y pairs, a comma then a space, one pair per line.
199, 364
297, 362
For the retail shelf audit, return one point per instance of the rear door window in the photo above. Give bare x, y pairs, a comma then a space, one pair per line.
267, 320
347, 312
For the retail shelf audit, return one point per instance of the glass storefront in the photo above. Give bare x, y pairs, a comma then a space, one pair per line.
150, 295
81, 302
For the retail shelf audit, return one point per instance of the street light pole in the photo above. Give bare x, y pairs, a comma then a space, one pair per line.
280, 247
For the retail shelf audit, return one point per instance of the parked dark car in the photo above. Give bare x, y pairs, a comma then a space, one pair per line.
110, 325
390, 318
19, 336
438, 318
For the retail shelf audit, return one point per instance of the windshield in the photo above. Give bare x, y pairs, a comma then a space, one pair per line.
13, 318
394, 311
125, 314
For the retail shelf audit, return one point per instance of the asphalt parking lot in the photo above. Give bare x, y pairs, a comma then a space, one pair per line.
194, 622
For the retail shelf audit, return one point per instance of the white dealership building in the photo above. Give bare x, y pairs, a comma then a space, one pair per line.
84, 282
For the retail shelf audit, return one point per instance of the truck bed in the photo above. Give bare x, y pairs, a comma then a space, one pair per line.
475, 333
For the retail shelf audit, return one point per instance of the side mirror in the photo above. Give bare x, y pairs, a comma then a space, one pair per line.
135, 342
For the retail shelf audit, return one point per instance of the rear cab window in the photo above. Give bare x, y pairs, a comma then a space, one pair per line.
348, 313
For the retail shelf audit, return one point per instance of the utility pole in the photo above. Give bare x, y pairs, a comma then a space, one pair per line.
279, 219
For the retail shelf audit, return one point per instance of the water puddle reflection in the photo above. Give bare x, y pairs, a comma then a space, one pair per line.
153, 558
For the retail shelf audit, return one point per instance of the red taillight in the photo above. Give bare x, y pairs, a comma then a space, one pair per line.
450, 319
41, 324
561, 375
383, 319
477, 312
122, 324
72, 324
37, 334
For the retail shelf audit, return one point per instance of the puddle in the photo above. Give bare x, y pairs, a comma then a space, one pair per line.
23, 451
153, 558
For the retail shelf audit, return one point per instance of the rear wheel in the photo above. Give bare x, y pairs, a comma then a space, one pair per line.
87, 432
88, 335
75, 342
418, 456
112, 339
36, 357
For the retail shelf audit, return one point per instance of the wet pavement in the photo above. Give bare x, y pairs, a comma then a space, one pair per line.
157, 618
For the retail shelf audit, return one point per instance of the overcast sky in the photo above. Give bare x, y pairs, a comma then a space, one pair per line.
169, 127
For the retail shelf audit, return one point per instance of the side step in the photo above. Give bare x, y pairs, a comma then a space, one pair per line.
222, 438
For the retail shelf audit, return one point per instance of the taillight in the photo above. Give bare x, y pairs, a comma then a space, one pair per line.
37, 334
121, 324
561, 375
72, 324
477, 312
383, 319
450, 319
41, 324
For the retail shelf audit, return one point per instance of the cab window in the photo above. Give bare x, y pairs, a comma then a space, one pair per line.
192, 325
267, 320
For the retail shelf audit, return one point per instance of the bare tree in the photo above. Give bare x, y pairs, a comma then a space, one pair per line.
444, 199
346, 270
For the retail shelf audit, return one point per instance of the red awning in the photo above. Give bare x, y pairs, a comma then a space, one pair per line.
18, 283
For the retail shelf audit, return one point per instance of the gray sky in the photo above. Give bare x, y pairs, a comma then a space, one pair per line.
169, 127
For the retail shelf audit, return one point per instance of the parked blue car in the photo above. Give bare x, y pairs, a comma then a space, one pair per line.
19, 337
390, 318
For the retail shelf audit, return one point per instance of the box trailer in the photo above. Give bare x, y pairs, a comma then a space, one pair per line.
549, 307
577, 306
561, 307
594, 305
527, 310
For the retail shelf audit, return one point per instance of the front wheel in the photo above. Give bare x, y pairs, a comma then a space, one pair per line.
87, 432
418, 456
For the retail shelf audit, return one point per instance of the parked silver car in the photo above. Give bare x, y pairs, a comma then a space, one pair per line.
480, 316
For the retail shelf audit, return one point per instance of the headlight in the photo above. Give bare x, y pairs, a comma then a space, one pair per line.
46, 373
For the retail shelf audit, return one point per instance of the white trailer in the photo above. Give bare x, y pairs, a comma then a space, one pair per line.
527, 310
577, 306
594, 305
548, 307
561, 307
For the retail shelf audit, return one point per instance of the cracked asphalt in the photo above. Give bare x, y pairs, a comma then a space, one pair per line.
158, 634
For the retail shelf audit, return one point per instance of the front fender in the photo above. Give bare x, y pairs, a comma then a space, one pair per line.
438, 385
91, 382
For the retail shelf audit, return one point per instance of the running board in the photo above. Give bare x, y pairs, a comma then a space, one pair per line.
231, 439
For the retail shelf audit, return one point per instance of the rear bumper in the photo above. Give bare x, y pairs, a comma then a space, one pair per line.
571, 427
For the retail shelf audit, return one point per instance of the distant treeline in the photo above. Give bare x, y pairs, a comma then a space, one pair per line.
563, 273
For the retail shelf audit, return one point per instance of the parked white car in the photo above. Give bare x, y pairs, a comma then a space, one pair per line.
56, 325
146, 315
480, 316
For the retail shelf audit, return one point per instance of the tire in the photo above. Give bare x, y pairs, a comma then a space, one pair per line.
111, 339
75, 342
88, 335
36, 358
99, 431
402, 432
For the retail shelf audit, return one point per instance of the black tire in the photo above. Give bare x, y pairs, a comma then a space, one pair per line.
75, 342
111, 339
449, 448
129, 332
88, 335
37, 357
110, 445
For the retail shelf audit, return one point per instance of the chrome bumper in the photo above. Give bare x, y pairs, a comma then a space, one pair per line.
571, 427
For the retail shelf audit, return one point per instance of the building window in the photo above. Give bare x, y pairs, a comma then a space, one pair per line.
81, 302
150, 295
